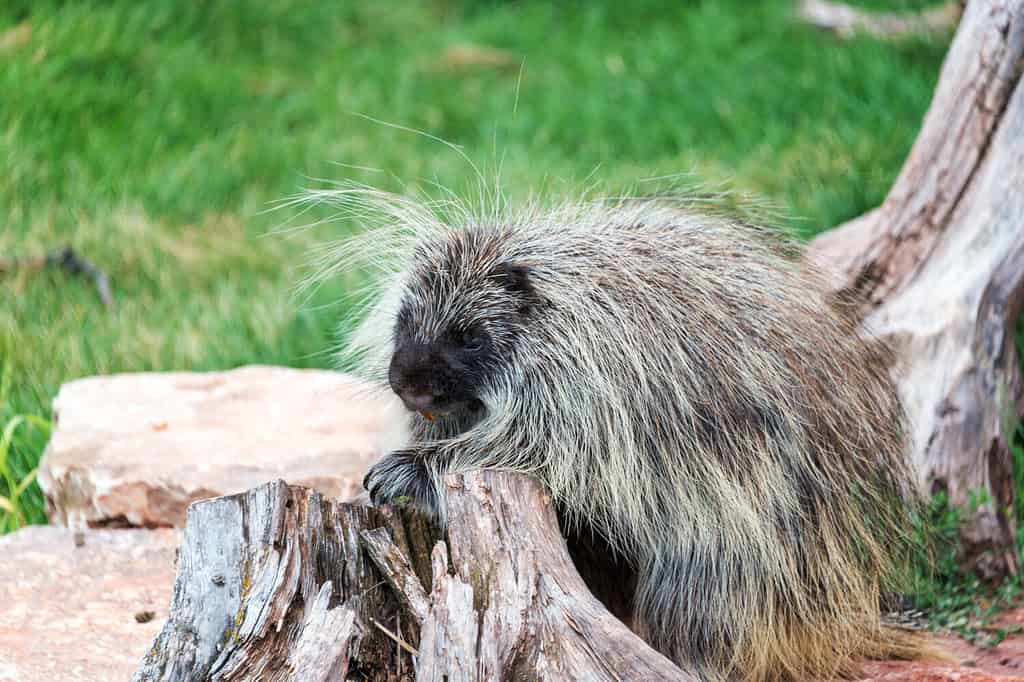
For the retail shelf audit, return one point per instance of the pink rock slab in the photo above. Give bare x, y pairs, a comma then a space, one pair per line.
136, 449
71, 610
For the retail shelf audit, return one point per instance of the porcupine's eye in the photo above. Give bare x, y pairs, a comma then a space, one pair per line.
471, 341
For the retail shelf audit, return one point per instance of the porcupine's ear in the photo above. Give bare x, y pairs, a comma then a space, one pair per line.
516, 278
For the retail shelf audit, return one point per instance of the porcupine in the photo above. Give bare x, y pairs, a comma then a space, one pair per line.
699, 408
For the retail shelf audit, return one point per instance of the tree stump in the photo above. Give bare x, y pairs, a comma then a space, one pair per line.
274, 584
940, 268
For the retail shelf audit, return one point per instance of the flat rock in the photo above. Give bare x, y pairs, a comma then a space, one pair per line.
969, 663
137, 449
71, 602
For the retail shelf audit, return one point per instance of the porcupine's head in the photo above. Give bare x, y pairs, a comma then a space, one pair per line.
463, 311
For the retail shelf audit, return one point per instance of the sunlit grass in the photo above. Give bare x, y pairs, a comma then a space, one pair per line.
21, 437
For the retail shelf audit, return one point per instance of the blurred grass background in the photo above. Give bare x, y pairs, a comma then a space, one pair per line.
152, 134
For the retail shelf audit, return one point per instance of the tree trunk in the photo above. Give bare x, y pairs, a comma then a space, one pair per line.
273, 584
939, 267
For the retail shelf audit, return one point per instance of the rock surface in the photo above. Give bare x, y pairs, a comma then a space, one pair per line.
1003, 663
136, 449
81, 610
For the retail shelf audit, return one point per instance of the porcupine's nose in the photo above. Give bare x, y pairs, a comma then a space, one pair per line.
419, 402
410, 381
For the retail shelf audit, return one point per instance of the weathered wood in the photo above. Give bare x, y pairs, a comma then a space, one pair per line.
397, 571
975, 84
513, 605
847, 21
273, 584
322, 649
939, 267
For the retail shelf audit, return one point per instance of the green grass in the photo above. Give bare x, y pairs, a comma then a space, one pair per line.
952, 598
152, 134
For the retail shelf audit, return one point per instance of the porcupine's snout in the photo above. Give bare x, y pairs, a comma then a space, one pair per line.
421, 376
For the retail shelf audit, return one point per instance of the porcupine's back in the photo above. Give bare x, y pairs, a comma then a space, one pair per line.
667, 327
686, 391
705, 402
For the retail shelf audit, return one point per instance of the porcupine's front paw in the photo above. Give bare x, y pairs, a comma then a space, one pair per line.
401, 478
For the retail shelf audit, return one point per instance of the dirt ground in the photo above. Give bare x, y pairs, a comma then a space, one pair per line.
1001, 663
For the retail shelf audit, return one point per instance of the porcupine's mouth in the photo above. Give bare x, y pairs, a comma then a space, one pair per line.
459, 410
